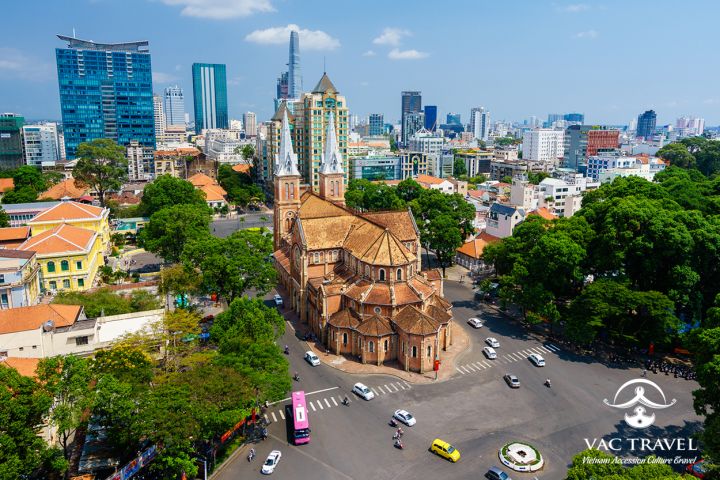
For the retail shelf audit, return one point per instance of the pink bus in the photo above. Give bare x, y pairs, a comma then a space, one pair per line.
301, 425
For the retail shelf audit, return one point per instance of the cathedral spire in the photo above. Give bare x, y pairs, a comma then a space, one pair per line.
287, 164
332, 159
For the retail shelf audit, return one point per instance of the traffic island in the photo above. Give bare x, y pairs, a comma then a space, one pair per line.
521, 457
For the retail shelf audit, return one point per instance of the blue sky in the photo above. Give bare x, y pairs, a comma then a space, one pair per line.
610, 60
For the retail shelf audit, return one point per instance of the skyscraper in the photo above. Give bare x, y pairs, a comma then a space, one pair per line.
578, 118
281, 89
411, 102
209, 96
646, 124
430, 117
159, 118
250, 122
41, 145
174, 106
480, 123
105, 92
453, 119
294, 75
376, 124
11, 146
414, 121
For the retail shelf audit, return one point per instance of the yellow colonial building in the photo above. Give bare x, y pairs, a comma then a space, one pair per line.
69, 257
75, 214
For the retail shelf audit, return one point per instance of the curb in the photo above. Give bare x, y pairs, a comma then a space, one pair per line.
226, 462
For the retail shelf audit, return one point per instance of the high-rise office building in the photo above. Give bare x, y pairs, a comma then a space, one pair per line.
105, 92
431, 122
250, 122
411, 102
480, 123
414, 121
210, 96
281, 89
11, 146
453, 119
294, 75
159, 118
646, 124
583, 141
690, 126
376, 124
41, 145
542, 145
174, 106
552, 118
577, 118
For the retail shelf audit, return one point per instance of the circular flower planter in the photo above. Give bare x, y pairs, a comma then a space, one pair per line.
521, 457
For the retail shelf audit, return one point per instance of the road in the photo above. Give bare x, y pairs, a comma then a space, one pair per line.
474, 410
223, 227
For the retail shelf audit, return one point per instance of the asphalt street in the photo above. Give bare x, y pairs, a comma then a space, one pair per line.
223, 227
475, 410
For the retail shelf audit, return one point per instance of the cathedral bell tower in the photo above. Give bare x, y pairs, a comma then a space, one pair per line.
287, 185
332, 176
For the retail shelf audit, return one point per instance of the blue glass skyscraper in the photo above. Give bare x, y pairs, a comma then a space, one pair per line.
105, 92
210, 96
294, 75
430, 117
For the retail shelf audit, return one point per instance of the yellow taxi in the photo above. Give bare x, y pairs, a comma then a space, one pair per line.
445, 450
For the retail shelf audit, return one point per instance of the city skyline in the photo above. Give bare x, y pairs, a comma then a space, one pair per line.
372, 59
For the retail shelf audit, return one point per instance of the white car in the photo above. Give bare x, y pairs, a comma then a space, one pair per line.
475, 322
537, 360
312, 359
492, 341
490, 353
278, 300
272, 460
405, 417
363, 392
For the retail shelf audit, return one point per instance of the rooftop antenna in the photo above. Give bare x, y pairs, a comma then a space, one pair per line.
74, 33
324, 69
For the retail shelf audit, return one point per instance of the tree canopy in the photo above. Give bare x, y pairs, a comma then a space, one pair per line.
170, 228
101, 165
167, 191
240, 186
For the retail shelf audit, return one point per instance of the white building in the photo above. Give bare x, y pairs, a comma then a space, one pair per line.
174, 107
250, 121
41, 145
502, 219
560, 196
480, 123
220, 145
159, 116
605, 168
140, 162
543, 145
690, 126
426, 142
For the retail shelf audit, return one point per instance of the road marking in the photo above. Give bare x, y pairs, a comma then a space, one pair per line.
290, 325
319, 404
388, 388
300, 451
407, 384
374, 391
545, 350
489, 365
519, 357
541, 351
553, 346
480, 365
274, 417
508, 358
333, 399
267, 419
527, 352
321, 391
395, 386
327, 403
313, 406
401, 385
381, 390
469, 367
458, 369
282, 415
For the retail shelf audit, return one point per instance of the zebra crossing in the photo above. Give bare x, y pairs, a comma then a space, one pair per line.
332, 401
505, 359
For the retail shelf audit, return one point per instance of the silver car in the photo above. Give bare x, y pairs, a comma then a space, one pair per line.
537, 360
362, 391
490, 353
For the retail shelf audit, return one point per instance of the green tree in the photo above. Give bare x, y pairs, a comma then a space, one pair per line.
444, 239
247, 319
505, 141
168, 191
247, 152
68, 381
705, 344
106, 302
506, 179
240, 186
178, 280
230, 266
365, 195
678, 155
408, 190
4, 218
459, 167
171, 228
101, 165
23, 407
24, 194
536, 178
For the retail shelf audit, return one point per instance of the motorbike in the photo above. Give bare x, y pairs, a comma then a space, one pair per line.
547, 383
398, 444
296, 377
393, 423
287, 350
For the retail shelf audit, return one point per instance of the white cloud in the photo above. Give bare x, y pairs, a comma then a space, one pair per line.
161, 77
575, 8
396, 54
309, 39
369, 53
391, 36
221, 9
587, 34
15, 64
